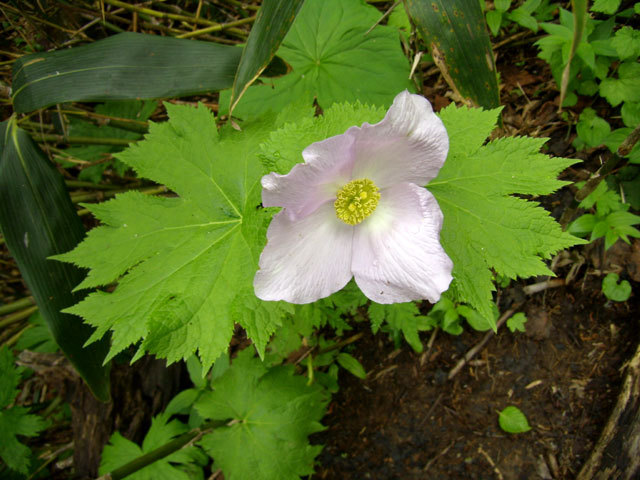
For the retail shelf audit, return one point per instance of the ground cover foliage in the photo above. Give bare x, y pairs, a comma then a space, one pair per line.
170, 192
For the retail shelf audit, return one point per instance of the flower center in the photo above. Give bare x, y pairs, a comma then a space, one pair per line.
356, 201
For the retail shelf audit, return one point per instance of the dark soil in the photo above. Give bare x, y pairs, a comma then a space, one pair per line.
408, 421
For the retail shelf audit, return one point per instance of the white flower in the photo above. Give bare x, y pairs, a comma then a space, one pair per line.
357, 208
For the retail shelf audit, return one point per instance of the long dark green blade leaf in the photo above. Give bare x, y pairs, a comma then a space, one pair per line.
125, 66
38, 220
458, 40
273, 22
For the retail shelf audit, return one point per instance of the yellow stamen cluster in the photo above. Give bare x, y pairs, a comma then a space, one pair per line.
356, 201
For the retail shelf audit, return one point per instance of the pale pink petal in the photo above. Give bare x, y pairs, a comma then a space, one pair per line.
409, 145
308, 185
397, 256
305, 260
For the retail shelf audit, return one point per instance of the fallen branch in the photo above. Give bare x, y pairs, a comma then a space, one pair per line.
541, 286
617, 453
480, 345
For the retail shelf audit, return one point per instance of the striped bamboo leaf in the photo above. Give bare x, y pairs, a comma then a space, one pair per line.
456, 35
124, 66
38, 220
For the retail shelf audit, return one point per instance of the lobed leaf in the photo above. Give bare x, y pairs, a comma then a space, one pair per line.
485, 227
274, 412
14, 421
404, 317
184, 264
624, 88
333, 60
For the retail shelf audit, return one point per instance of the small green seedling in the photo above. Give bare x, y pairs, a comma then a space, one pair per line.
516, 323
512, 420
352, 365
615, 290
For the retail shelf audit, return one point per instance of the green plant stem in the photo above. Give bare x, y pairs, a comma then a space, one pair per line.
55, 403
336, 346
124, 123
17, 305
217, 28
112, 27
175, 32
106, 23
163, 451
94, 186
343, 343
165, 15
12, 341
35, 126
51, 137
83, 197
16, 317
243, 5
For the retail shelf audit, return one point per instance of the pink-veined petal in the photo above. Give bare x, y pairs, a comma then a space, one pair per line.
308, 185
306, 259
397, 256
409, 145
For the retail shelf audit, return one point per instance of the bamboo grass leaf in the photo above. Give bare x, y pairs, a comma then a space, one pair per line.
455, 33
273, 22
125, 66
38, 220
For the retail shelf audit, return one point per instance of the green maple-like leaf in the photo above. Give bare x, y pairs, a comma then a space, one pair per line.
9, 379
273, 413
14, 421
606, 6
485, 227
400, 316
180, 465
183, 265
624, 88
627, 43
516, 323
334, 59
